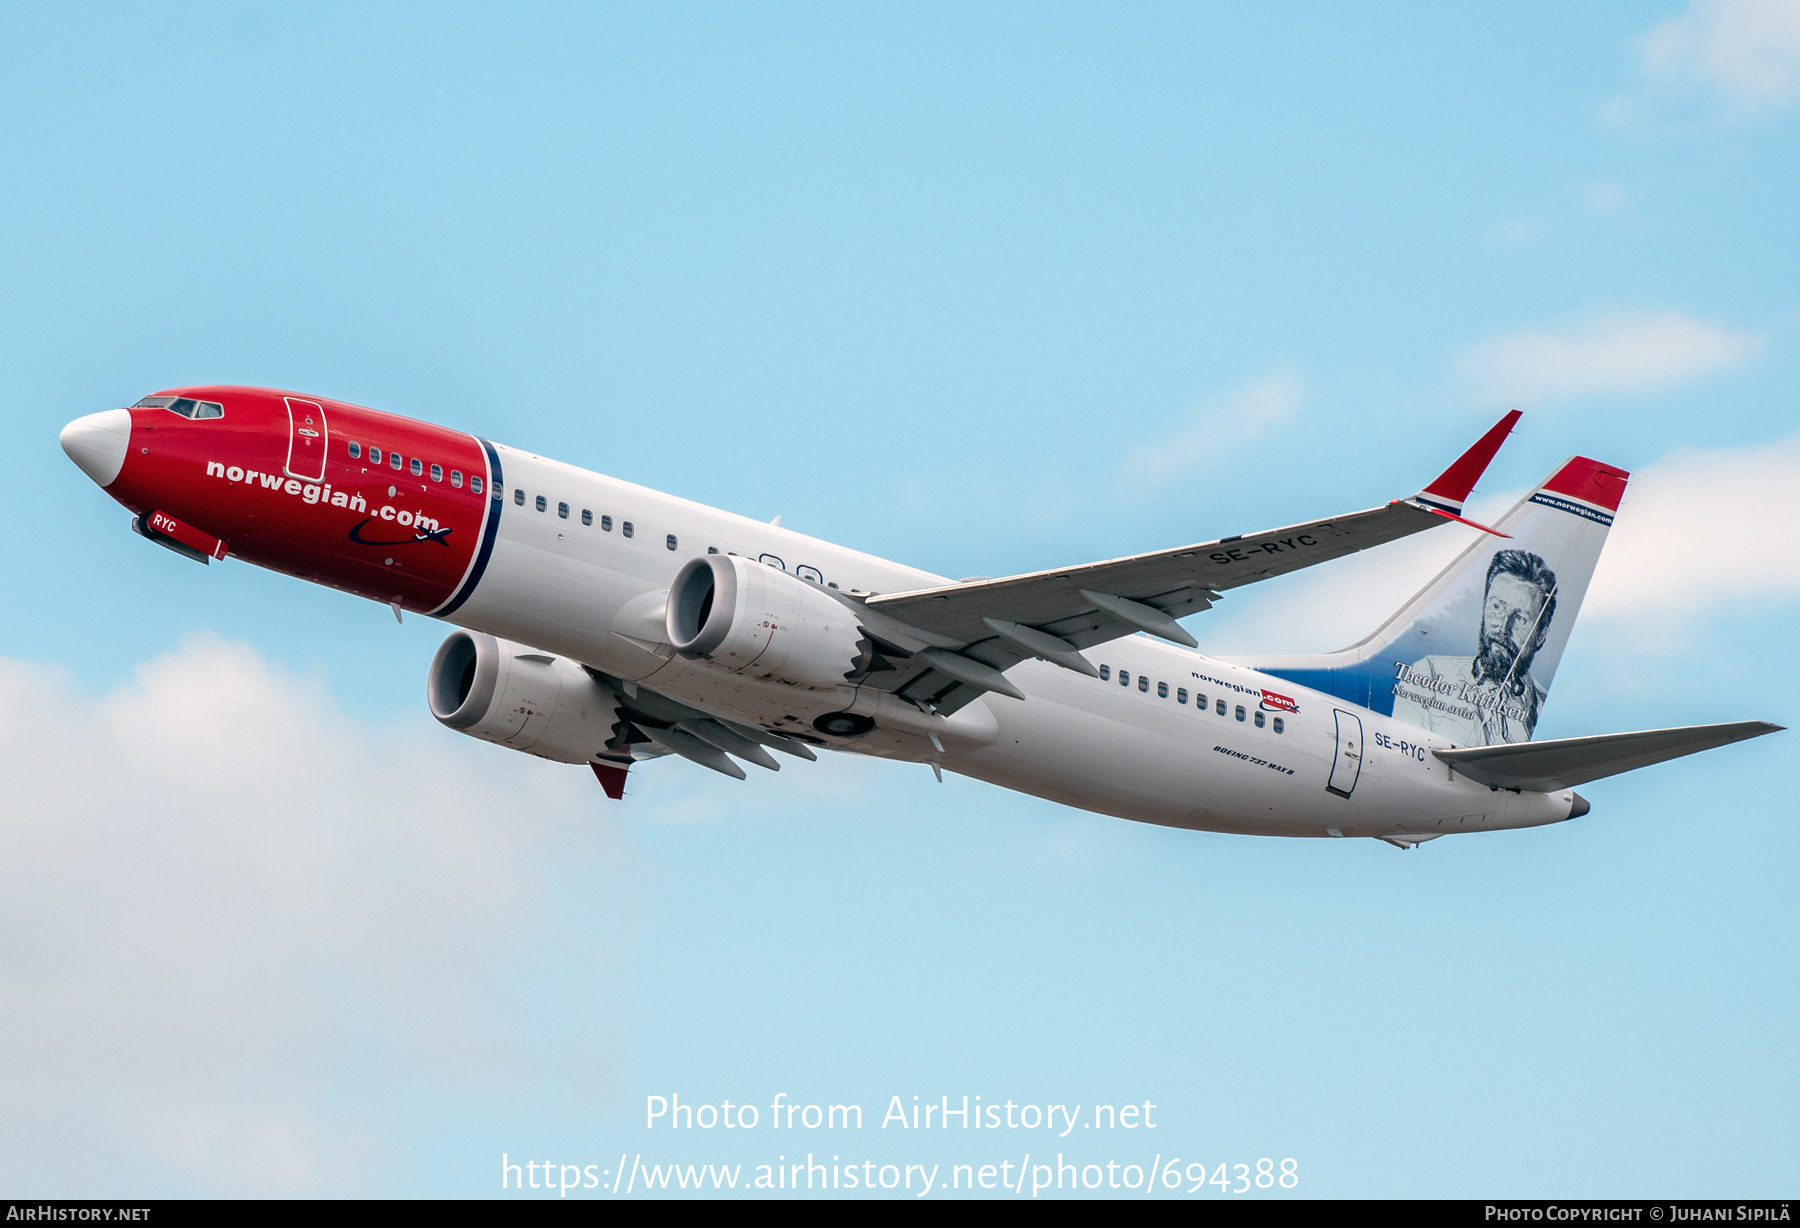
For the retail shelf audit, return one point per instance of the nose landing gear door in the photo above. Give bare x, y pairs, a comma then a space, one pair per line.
1346, 765
307, 440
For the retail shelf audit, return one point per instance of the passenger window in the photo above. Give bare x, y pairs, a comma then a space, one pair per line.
1144, 682
829, 584
625, 528
712, 549
1106, 673
437, 473
374, 456
1240, 712
394, 460
541, 503
1279, 727
1199, 702
519, 496
587, 517
670, 541
1221, 708
1259, 720
475, 485
562, 511
1181, 695
456, 478
355, 450
418, 467
809, 573
1162, 690
1124, 677
606, 524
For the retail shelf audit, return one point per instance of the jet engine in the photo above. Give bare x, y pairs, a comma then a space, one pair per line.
755, 620
516, 696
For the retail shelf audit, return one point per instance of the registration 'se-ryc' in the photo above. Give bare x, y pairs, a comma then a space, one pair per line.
601, 623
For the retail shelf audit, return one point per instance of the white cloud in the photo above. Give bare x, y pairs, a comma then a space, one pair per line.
1215, 426
1698, 532
1703, 529
221, 899
1601, 355
1747, 50
1745, 54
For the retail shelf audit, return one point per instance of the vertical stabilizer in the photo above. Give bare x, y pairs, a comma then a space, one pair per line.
1473, 654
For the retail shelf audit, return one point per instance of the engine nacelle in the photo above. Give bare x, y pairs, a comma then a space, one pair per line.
516, 696
755, 620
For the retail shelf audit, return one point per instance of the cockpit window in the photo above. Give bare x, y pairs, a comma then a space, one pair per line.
187, 407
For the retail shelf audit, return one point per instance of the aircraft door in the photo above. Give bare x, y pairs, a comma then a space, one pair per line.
1346, 765
307, 440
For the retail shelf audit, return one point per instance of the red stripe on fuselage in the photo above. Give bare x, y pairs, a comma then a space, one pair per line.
343, 530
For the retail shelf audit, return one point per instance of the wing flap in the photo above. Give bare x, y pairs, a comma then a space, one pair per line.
1563, 763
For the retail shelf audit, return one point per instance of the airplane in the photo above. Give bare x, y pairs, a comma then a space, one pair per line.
606, 624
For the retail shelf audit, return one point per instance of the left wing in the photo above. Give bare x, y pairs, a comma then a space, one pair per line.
947, 645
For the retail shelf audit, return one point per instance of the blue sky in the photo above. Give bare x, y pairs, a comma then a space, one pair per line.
983, 289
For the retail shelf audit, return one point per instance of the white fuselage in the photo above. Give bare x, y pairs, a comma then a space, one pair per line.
595, 595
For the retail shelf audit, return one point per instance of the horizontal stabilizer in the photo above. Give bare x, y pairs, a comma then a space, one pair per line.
1563, 763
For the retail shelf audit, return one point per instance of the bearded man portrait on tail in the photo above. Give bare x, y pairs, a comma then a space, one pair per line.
1491, 697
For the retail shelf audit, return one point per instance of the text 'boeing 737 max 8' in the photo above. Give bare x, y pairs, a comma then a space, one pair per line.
605, 624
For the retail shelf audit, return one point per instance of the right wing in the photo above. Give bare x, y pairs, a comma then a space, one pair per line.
946, 645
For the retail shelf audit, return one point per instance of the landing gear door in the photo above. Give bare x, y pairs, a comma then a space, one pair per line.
307, 440
1346, 765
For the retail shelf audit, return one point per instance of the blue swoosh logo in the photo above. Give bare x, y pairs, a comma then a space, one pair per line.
423, 535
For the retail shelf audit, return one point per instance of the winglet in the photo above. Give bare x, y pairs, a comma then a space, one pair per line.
1447, 493
612, 779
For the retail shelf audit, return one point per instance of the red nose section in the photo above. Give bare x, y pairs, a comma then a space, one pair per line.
382, 506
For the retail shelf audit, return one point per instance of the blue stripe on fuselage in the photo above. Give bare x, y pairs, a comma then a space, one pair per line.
1365, 683
496, 502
